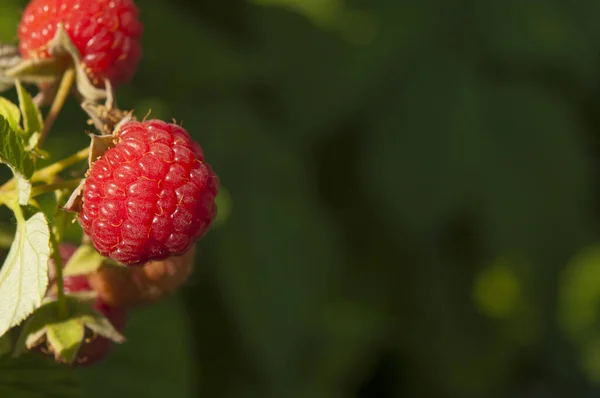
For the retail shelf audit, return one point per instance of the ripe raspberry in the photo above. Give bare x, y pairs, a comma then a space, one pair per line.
127, 286
106, 32
149, 197
94, 348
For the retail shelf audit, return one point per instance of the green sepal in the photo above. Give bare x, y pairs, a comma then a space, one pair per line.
84, 260
64, 336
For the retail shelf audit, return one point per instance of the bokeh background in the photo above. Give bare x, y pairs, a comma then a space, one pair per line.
409, 205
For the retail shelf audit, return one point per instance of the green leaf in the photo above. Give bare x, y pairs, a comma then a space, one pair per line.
66, 338
35, 327
11, 113
47, 203
95, 321
85, 260
24, 275
13, 152
32, 146
103, 327
36, 71
65, 335
62, 219
32, 117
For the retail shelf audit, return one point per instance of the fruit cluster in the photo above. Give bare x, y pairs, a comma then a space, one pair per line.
147, 196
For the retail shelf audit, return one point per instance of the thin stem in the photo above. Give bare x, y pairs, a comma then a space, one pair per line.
41, 189
64, 89
63, 311
48, 173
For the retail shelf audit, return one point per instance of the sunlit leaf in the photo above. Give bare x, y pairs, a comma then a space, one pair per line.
84, 260
66, 337
24, 275
32, 117
11, 113
12, 150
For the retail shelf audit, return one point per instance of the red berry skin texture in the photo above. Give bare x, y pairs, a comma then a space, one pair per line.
149, 197
107, 34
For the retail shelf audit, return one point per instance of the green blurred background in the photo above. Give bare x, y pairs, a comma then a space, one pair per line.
409, 203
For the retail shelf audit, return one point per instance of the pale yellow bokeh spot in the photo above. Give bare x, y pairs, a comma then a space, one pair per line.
579, 296
579, 308
497, 291
591, 360
223, 201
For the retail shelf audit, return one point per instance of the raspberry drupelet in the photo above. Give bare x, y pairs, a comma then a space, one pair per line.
149, 197
107, 34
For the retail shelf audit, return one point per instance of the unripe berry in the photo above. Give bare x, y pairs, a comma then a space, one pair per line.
135, 286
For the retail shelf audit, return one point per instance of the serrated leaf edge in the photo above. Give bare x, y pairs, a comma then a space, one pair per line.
42, 279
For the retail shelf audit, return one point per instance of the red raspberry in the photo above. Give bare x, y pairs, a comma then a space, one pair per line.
149, 197
106, 32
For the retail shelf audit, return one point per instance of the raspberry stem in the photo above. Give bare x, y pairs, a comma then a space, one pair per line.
48, 173
41, 189
63, 311
63, 92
